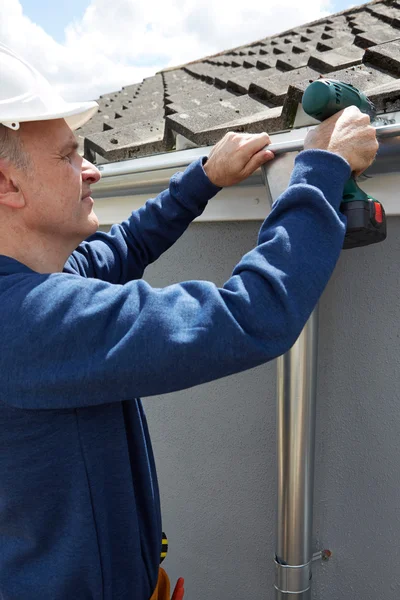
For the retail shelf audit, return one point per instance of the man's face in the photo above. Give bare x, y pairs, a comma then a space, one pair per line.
56, 184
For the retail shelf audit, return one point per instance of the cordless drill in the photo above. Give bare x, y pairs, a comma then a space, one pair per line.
366, 220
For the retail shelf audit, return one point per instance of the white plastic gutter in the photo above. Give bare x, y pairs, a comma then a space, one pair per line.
126, 185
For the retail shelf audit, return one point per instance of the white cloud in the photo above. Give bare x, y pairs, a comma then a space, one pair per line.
121, 42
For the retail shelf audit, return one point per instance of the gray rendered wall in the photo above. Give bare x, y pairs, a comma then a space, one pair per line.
215, 444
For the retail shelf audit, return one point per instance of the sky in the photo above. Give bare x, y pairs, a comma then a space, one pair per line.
86, 48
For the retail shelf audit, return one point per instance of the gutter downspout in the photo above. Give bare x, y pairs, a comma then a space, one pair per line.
297, 376
296, 410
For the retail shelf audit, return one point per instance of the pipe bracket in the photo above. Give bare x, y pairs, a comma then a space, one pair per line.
292, 579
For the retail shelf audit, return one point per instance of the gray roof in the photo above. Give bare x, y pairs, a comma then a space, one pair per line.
252, 88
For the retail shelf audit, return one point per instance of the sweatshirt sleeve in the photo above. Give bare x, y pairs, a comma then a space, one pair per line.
75, 342
123, 254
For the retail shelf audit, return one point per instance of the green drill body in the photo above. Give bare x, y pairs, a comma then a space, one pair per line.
325, 97
366, 222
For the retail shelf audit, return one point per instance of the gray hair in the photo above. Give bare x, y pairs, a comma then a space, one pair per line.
11, 148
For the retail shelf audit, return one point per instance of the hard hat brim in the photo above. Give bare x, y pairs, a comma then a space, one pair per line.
81, 114
76, 114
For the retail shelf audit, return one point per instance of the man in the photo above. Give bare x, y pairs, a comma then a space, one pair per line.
83, 337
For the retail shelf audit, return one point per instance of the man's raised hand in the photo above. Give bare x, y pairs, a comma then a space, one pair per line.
236, 157
350, 134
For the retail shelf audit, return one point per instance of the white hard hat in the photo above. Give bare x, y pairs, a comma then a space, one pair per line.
25, 95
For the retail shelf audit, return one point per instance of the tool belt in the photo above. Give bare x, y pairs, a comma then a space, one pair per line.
163, 588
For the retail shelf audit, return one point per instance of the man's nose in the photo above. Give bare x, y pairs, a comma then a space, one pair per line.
89, 172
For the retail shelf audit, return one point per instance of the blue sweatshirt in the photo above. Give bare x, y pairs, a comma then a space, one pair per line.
79, 504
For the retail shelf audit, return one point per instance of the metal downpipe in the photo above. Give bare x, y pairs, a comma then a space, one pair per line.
297, 374
296, 410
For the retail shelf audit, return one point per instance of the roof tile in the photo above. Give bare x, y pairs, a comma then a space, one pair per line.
363, 77
273, 89
334, 60
386, 97
362, 22
266, 61
267, 119
221, 81
387, 14
385, 56
201, 97
215, 114
330, 42
293, 61
134, 140
376, 35
240, 82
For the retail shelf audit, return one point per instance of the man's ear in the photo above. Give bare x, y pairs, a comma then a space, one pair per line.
10, 190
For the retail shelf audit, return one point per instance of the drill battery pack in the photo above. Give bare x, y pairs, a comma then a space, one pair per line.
366, 223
